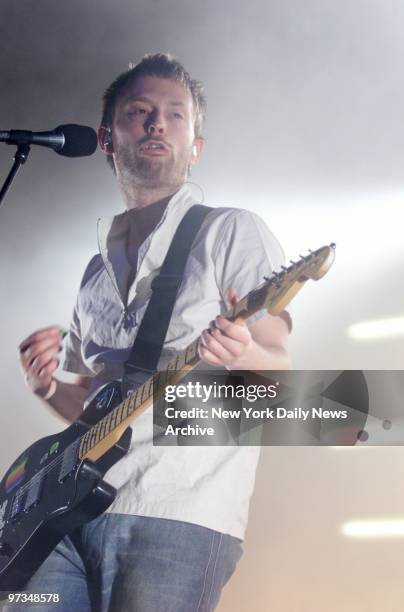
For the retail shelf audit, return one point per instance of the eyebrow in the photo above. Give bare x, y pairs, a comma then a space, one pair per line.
131, 98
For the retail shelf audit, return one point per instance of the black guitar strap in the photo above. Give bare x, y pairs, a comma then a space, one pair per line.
146, 350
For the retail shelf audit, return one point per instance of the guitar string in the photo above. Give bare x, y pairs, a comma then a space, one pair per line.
55, 463
40, 475
51, 466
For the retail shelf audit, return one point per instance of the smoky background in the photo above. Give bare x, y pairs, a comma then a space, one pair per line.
305, 127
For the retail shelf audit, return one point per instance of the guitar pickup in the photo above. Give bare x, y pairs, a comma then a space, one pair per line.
69, 460
34, 492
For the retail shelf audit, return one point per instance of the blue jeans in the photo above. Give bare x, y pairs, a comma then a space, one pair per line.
124, 563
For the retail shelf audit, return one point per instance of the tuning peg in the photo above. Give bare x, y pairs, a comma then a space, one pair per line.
292, 262
333, 245
284, 268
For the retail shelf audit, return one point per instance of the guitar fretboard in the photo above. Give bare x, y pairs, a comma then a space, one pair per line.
182, 363
277, 291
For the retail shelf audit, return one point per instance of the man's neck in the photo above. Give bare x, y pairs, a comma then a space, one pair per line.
139, 196
142, 221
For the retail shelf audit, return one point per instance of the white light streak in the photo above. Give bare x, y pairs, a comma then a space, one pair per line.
374, 529
377, 329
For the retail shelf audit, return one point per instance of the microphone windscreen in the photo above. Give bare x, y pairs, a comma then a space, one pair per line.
80, 140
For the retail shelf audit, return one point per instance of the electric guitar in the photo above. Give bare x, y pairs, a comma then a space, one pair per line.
57, 484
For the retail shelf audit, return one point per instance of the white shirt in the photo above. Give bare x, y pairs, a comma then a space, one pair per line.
208, 486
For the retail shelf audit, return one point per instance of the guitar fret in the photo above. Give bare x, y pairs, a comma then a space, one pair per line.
134, 400
82, 451
119, 414
139, 396
99, 430
156, 380
191, 350
142, 398
96, 436
102, 428
108, 428
124, 410
84, 445
113, 418
89, 444
150, 387
130, 404
93, 437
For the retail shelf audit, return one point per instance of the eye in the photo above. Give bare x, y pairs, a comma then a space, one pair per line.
177, 116
137, 110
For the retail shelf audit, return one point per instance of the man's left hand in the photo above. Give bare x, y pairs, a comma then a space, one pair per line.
226, 343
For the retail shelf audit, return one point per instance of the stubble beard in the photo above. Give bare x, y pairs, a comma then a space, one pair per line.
150, 172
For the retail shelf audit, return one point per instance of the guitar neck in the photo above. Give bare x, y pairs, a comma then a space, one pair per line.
273, 295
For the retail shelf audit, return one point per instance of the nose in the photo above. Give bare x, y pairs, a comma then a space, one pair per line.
155, 123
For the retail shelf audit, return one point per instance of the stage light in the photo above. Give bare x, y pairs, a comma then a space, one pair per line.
377, 329
374, 529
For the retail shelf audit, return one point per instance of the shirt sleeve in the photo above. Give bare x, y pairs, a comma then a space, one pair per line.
71, 358
247, 253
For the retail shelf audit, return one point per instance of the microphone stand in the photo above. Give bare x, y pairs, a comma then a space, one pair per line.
20, 157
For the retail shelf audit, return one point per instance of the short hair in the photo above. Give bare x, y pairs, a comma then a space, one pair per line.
162, 65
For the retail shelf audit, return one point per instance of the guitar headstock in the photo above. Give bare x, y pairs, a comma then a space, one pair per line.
317, 263
283, 285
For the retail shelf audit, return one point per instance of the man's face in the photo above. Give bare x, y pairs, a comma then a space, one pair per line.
153, 135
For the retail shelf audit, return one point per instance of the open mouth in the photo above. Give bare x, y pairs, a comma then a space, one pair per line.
154, 147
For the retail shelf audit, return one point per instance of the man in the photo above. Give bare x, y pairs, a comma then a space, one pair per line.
171, 539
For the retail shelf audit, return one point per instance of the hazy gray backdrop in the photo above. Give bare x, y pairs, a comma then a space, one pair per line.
306, 127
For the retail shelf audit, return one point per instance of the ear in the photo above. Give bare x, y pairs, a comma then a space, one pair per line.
197, 150
105, 140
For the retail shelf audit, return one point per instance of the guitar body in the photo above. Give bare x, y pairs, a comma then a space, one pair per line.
48, 492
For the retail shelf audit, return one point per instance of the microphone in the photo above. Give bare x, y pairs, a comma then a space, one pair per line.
70, 140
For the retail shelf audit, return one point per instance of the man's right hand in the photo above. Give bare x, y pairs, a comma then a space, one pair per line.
38, 358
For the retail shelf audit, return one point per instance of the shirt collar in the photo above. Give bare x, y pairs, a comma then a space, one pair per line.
113, 229
112, 235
